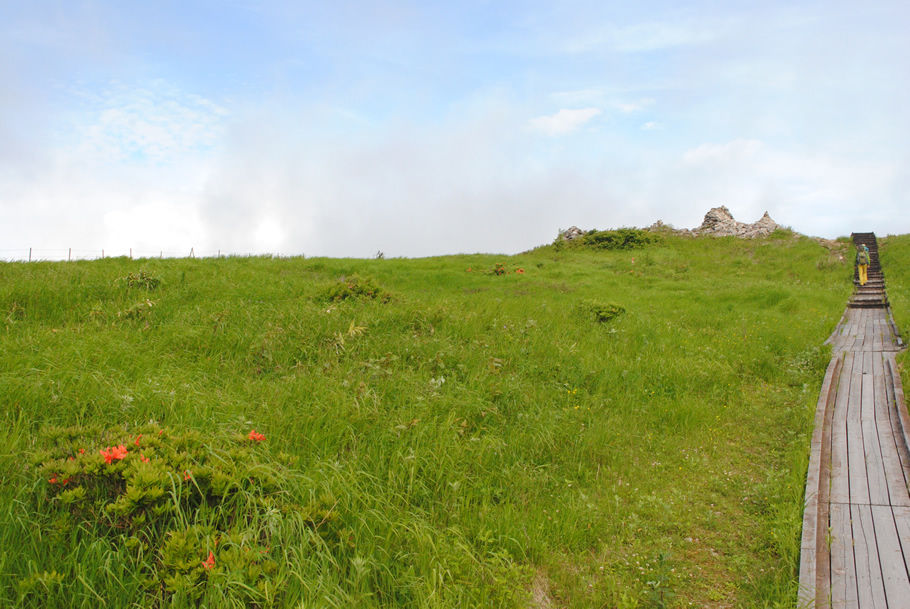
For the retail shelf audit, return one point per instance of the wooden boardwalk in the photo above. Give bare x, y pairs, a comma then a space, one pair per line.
856, 527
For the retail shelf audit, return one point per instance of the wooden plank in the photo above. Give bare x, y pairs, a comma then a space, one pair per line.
840, 479
891, 556
869, 584
838, 330
850, 344
814, 559
856, 453
861, 330
894, 473
857, 344
875, 468
902, 522
898, 412
885, 327
878, 342
869, 337
843, 569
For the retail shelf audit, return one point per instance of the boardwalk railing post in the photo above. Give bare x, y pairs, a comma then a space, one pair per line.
29, 254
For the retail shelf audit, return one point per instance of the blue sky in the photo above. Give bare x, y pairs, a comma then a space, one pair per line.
429, 128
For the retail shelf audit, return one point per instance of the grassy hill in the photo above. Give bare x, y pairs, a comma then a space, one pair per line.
567, 427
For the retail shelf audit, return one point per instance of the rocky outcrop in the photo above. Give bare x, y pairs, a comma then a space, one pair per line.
573, 232
719, 222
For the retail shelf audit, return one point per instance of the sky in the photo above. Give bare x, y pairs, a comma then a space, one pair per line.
427, 128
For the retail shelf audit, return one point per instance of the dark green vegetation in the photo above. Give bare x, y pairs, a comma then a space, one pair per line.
616, 239
586, 428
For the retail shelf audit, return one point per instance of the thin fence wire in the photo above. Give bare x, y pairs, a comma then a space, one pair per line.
33, 254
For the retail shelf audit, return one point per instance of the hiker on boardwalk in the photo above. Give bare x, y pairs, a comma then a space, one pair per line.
862, 263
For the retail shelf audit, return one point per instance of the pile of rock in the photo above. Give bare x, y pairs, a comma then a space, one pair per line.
719, 222
573, 232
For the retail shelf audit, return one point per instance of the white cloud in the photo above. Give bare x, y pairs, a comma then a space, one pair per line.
153, 121
645, 36
811, 192
650, 126
589, 96
165, 222
734, 151
628, 107
563, 122
269, 235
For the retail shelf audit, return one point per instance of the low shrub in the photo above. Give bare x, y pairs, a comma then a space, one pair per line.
355, 287
142, 280
599, 311
203, 519
618, 239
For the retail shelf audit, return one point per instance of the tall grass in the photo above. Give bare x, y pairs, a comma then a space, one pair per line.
489, 440
894, 252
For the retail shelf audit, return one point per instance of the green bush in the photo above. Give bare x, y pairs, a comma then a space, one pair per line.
142, 279
618, 239
599, 311
201, 518
355, 287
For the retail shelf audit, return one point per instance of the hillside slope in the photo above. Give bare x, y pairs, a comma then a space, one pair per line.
587, 428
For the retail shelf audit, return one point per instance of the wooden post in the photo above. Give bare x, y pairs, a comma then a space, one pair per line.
29, 254
69, 255
102, 253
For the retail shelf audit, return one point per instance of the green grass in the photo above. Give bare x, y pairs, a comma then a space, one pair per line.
605, 429
894, 252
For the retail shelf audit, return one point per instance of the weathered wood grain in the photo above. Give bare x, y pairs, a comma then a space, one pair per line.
869, 581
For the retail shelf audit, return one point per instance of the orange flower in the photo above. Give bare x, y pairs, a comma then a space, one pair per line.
209, 562
143, 458
187, 475
139, 437
81, 451
113, 453
53, 479
520, 271
256, 437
